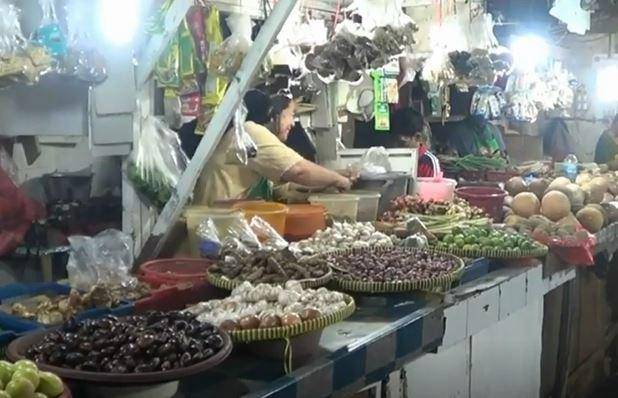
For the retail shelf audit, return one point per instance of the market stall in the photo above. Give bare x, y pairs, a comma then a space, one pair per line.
393, 248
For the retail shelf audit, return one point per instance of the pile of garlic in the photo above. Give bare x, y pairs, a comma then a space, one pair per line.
263, 306
343, 236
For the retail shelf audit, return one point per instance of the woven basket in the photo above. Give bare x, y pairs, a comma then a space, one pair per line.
223, 282
286, 332
436, 283
538, 251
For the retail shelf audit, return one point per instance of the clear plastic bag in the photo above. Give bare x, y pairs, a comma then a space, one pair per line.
487, 102
268, 236
209, 242
82, 59
240, 234
244, 146
228, 56
49, 34
158, 161
11, 38
105, 258
374, 161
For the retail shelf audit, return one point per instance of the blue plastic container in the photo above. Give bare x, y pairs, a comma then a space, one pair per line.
15, 291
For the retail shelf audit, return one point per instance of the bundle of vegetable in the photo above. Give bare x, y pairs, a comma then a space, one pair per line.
485, 238
402, 207
472, 163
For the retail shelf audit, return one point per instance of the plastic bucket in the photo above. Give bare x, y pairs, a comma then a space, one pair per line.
272, 213
435, 188
303, 220
338, 206
222, 219
368, 205
489, 199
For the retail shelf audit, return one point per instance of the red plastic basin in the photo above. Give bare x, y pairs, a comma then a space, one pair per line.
490, 199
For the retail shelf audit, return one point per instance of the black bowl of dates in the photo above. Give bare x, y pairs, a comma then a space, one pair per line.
137, 349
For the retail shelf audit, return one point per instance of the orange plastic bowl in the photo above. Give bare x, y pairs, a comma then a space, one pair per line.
271, 212
303, 220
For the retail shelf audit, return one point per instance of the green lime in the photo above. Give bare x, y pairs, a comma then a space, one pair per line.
448, 238
470, 239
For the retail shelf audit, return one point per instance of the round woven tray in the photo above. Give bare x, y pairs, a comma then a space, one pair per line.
223, 282
538, 251
284, 332
439, 282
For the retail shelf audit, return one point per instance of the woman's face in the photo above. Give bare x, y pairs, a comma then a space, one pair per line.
286, 122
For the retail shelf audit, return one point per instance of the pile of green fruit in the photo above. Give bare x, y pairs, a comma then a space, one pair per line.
479, 239
24, 380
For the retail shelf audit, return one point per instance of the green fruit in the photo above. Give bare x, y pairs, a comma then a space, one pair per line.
50, 384
6, 371
39, 395
448, 238
27, 373
24, 363
4, 394
20, 387
470, 239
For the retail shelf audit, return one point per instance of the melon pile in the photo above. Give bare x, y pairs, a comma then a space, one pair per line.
556, 201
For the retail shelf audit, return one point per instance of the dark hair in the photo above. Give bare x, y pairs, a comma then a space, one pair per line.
407, 122
262, 109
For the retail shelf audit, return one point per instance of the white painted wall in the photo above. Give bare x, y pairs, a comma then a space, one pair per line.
503, 360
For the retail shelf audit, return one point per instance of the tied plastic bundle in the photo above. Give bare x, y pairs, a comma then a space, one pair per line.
49, 34
20, 60
106, 258
209, 242
158, 162
487, 102
228, 56
247, 238
380, 13
353, 50
82, 59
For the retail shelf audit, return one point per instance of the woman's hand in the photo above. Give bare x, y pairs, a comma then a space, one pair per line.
343, 184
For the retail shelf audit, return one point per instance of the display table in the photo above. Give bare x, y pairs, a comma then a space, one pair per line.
388, 333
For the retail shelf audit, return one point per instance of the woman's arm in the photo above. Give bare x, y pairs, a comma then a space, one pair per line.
312, 175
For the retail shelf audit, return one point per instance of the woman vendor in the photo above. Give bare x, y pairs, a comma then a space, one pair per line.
269, 122
607, 146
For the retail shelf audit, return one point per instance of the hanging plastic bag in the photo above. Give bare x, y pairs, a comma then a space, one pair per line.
209, 242
82, 58
267, 235
244, 146
228, 56
105, 258
20, 60
49, 34
158, 162
481, 33
487, 102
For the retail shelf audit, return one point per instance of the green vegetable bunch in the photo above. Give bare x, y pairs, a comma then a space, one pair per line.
153, 185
